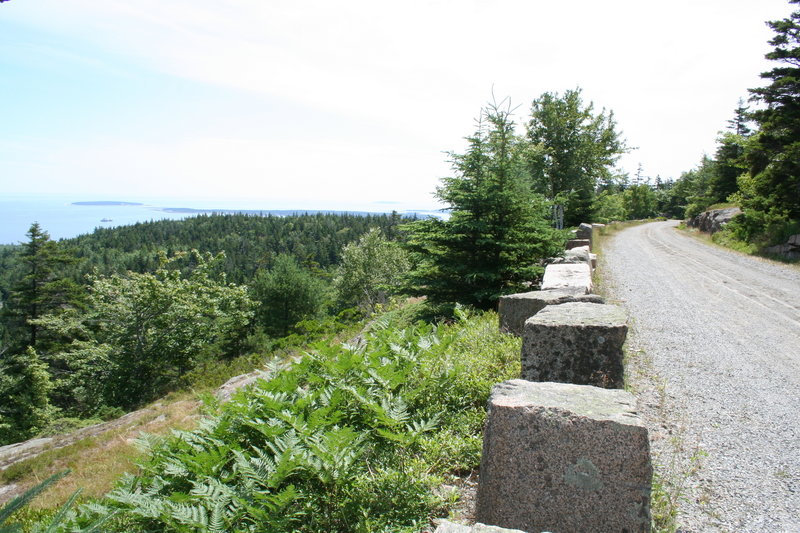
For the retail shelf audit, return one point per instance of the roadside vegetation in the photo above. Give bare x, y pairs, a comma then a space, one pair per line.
755, 166
347, 438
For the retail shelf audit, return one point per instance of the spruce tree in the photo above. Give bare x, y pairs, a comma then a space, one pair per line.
286, 294
497, 231
44, 288
774, 157
24, 396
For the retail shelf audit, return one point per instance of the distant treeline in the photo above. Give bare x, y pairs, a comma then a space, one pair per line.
250, 242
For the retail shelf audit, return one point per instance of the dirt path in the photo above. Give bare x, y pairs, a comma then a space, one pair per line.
715, 340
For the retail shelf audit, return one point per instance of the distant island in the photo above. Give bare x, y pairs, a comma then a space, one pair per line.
106, 203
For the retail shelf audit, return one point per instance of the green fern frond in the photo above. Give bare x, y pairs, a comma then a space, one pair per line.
212, 490
147, 442
216, 523
190, 515
174, 467
62, 513
150, 504
418, 427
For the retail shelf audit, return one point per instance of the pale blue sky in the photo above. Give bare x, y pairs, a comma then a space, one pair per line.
331, 104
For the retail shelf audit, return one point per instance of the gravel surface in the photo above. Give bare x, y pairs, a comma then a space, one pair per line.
715, 364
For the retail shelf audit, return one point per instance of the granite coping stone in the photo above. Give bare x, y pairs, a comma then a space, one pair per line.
514, 309
564, 458
576, 277
447, 526
577, 343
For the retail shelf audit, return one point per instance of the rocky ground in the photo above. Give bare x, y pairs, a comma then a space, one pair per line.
715, 363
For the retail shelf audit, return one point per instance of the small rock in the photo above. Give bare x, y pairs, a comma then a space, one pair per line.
446, 526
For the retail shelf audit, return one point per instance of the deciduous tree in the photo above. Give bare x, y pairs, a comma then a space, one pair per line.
572, 151
370, 270
141, 332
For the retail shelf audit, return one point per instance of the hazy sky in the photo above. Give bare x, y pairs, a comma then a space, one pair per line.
331, 103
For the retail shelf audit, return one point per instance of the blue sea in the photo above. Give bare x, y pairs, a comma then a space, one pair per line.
62, 218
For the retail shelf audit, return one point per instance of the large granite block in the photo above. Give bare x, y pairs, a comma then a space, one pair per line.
564, 458
581, 254
515, 309
575, 343
573, 277
574, 243
584, 231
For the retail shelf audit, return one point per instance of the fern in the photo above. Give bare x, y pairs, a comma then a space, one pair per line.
343, 439
190, 515
217, 522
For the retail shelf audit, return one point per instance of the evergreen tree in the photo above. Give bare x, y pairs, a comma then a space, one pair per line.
43, 288
572, 151
286, 294
498, 229
24, 402
694, 187
639, 201
738, 124
774, 157
729, 166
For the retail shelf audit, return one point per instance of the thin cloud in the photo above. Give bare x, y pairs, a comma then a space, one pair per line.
411, 76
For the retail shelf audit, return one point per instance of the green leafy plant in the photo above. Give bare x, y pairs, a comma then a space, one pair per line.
348, 438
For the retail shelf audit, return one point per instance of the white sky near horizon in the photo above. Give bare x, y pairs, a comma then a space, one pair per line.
320, 104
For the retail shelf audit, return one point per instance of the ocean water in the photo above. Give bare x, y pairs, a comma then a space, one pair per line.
62, 219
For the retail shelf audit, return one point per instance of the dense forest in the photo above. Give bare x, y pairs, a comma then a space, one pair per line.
102, 323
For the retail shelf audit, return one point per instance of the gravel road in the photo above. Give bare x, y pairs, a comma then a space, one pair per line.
715, 364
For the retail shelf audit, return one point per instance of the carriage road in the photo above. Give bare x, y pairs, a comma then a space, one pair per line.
715, 363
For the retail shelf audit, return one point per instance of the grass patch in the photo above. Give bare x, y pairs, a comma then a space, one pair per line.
727, 241
36, 466
721, 205
97, 462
